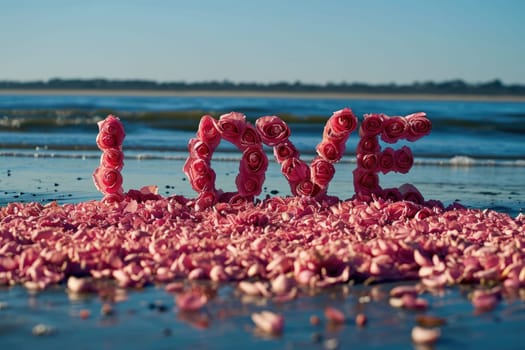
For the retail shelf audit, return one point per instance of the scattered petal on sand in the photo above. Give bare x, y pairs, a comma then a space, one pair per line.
485, 300
268, 322
361, 320
191, 300
334, 315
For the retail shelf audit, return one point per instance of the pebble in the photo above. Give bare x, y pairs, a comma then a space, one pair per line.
331, 344
43, 330
316, 337
158, 306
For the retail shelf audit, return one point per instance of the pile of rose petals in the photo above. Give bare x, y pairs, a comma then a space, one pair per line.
275, 245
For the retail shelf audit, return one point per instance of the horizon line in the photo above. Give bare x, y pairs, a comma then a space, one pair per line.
225, 81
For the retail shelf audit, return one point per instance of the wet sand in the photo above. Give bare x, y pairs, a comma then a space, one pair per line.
47, 178
149, 318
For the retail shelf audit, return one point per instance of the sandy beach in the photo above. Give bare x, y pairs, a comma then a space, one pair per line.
262, 94
116, 316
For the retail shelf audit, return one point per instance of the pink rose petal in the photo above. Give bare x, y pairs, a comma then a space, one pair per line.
268, 322
191, 301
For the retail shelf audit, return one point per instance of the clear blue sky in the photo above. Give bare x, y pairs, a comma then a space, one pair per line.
264, 41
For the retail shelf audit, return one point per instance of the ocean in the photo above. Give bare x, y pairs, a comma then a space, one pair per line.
464, 132
474, 156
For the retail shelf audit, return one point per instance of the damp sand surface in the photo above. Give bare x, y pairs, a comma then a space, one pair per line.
148, 317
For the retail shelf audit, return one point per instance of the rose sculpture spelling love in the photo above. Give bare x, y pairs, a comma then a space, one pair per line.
304, 180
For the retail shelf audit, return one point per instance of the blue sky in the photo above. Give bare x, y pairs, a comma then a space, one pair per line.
376, 41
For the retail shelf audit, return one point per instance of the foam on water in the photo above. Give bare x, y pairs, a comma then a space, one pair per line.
456, 161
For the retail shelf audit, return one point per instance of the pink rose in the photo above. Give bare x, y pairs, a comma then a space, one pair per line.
394, 128
400, 210
235, 199
113, 197
199, 149
208, 132
285, 150
231, 126
403, 159
199, 167
368, 161
330, 151
305, 188
322, 171
204, 182
249, 137
205, 200
365, 181
343, 121
111, 133
330, 135
107, 180
392, 194
295, 170
411, 193
418, 126
372, 125
368, 144
112, 158
387, 160
200, 174
254, 160
273, 130
249, 185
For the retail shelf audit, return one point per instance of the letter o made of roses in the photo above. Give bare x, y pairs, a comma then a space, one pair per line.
252, 166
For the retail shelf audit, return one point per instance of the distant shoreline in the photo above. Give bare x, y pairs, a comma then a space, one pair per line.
263, 94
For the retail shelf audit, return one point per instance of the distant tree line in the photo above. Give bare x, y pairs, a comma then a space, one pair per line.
494, 87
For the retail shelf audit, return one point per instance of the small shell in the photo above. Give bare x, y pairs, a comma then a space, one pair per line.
421, 335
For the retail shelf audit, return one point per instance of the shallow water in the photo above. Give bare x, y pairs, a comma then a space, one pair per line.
68, 180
